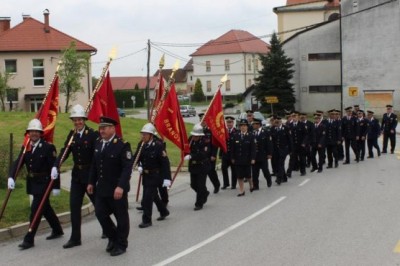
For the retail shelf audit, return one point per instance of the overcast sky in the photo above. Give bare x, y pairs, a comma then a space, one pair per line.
128, 24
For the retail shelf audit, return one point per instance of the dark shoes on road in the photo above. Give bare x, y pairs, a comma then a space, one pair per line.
163, 216
145, 225
55, 235
72, 243
25, 245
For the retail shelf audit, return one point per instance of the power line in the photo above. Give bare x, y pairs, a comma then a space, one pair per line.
121, 57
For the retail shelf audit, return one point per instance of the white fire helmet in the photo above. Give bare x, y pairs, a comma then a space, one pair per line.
148, 128
35, 124
197, 130
78, 112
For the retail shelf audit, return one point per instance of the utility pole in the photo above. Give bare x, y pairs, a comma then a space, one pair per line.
148, 80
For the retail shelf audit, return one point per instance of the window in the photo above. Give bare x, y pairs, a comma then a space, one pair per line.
256, 64
208, 85
325, 89
227, 66
11, 65
208, 66
228, 85
249, 64
248, 82
323, 56
38, 72
12, 95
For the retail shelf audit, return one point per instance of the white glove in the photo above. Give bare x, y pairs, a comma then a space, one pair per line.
140, 169
54, 173
187, 157
167, 183
56, 192
11, 183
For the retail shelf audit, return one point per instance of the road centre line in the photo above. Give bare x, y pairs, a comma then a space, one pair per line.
220, 234
304, 182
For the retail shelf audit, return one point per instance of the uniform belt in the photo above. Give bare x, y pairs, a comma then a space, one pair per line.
198, 162
82, 166
151, 171
32, 175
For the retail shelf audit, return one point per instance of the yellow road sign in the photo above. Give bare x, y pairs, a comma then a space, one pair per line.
353, 91
271, 99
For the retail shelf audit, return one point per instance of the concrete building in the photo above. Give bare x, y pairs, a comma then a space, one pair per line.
30, 52
371, 53
298, 14
235, 53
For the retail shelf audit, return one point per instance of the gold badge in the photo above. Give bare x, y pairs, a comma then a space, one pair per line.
86, 132
115, 141
128, 155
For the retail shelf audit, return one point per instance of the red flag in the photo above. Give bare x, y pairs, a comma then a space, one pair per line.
104, 105
214, 119
169, 122
159, 91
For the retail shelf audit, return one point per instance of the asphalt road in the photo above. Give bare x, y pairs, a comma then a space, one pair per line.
344, 216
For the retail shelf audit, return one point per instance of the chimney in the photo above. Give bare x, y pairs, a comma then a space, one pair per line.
46, 14
25, 17
4, 24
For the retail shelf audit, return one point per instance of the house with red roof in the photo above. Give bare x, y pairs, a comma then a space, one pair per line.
30, 52
235, 53
297, 15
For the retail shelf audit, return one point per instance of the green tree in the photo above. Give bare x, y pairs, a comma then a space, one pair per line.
4, 78
72, 70
198, 94
274, 79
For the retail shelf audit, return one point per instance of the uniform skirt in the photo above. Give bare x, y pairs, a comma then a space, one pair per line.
243, 171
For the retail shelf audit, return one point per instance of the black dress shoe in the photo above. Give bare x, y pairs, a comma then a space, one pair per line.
241, 194
25, 245
369, 157
346, 162
336, 165
391, 152
233, 187
303, 174
288, 175
110, 246
198, 207
72, 243
313, 170
163, 216
269, 183
54, 235
216, 190
117, 252
329, 167
145, 225
224, 187
319, 170
103, 236
139, 208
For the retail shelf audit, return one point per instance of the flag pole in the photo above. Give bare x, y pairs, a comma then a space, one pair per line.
101, 79
153, 117
177, 169
161, 66
21, 159
222, 82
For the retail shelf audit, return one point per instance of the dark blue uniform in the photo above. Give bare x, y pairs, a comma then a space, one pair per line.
349, 132
226, 161
282, 146
82, 149
199, 166
38, 161
300, 140
243, 152
318, 146
362, 125
388, 127
263, 150
212, 174
112, 168
311, 137
374, 131
156, 168
333, 137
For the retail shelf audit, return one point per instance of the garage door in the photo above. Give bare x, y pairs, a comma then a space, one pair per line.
377, 101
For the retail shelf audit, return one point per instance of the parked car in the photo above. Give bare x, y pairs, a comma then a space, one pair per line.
257, 115
121, 112
188, 110
183, 98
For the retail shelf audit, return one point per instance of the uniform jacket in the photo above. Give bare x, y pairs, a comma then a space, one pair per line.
154, 161
111, 167
199, 156
389, 122
333, 132
319, 134
263, 144
299, 133
374, 129
310, 131
243, 148
82, 148
281, 140
208, 138
38, 165
350, 127
228, 154
362, 125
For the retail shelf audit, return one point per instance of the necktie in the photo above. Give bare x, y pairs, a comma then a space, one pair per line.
105, 144
33, 148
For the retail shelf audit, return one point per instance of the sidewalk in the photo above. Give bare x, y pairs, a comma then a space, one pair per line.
182, 182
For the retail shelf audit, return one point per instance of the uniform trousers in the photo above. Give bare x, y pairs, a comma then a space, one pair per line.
353, 143
361, 148
321, 157
373, 143
198, 184
278, 159
298, 157
108, 205
386, 137
263, 166
225, 164
47, 212
212, 174
150, 195
331, 151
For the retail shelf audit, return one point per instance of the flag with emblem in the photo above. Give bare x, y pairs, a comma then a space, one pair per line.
169, 122
104, 105
214, 119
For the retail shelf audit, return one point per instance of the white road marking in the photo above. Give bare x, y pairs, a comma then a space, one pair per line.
304, 182
220, 234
